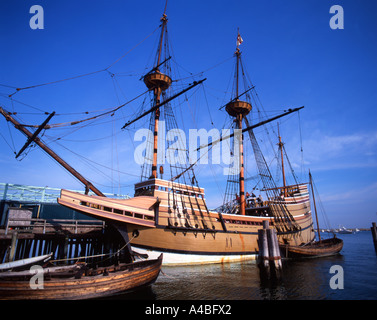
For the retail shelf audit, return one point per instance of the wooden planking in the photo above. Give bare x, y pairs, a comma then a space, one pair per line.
99, 214
199, 241
322, 248
138, 210
190, 226
143, 204
137, 274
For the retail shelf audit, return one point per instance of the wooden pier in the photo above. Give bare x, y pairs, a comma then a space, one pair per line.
65, 239
33, 224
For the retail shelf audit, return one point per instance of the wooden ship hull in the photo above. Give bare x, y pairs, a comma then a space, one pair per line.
172, 218
96, 283
327, 247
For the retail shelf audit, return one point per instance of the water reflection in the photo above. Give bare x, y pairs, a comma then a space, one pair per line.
306, 279
303, 279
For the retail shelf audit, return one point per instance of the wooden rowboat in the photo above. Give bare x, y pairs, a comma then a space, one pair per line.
321, 248
81, 283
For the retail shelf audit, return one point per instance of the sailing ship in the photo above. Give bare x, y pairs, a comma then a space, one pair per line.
170, 215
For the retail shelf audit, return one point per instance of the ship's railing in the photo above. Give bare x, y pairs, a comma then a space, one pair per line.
291, 190
165, 185
232, 206
25, 193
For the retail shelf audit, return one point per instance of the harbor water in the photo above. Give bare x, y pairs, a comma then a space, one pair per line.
305, 279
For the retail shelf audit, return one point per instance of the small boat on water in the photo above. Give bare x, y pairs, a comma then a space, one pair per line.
344, 230
79, 282
321, 248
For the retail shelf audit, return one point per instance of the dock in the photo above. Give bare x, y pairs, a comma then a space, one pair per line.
33, 224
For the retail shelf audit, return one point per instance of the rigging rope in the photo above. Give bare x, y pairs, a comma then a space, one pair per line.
199, 74
13, 150
87, 160
82, 75
57, 81
302, 150
278, 208
56, 125
317, 197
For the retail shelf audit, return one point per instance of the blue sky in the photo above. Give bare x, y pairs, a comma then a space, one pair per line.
292, 56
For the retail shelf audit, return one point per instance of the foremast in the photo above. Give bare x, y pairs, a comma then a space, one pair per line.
239, 109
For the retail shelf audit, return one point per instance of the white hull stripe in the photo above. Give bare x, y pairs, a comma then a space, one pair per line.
171, 259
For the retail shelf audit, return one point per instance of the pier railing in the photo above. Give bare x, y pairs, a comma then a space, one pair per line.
35, 226
25, 193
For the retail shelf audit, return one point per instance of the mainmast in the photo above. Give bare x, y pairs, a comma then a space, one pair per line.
239, 109
281, 144
158, 82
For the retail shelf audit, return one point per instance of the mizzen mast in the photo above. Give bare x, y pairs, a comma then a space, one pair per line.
239, 109
315, 206
158, 82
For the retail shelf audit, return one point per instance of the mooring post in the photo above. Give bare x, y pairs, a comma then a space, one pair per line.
274, 253
263, 256
373, 229
269, 253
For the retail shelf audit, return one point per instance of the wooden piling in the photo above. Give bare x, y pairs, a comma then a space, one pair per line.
263, 256
274, 253
66, 247
13, 246
269, 259
373, 229
21, 245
